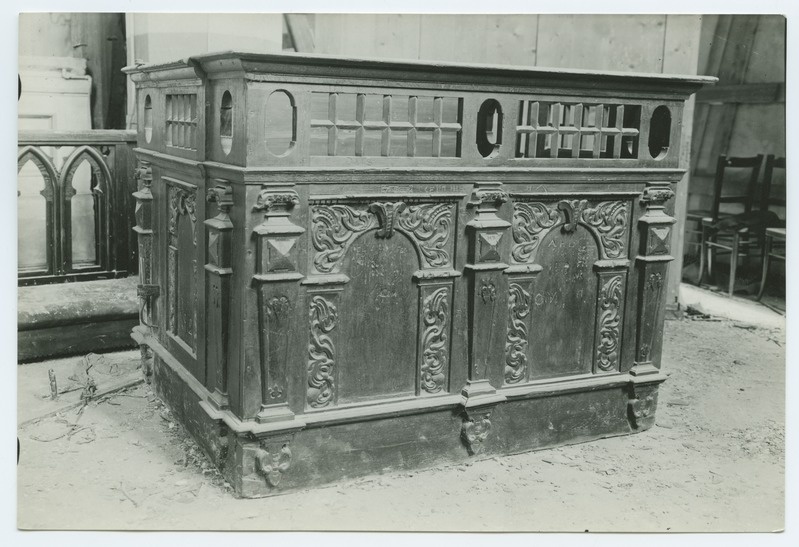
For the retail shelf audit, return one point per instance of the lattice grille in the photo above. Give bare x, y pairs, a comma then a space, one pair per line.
359, 124
181, 121
577, 130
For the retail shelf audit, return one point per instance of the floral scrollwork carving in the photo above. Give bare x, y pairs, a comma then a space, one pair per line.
429, 224
334, 227
609, 321
323, 317
609, 220
516, 339
272, 460
530, 223
434, 340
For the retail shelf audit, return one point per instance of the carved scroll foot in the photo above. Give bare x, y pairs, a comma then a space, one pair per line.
641, 406
475, 429
272, 459
146, 363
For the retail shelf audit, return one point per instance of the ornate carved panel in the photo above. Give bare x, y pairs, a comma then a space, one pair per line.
607, 220
610, 309
323, 317
435, 341
182, 263
516, 341
335, 226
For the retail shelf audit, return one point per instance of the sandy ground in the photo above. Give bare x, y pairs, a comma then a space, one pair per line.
713, 462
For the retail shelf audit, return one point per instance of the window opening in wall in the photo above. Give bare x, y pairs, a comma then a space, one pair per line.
489, 128
660, 132
148, 119
226, 122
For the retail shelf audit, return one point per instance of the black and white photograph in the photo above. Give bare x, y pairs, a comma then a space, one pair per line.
401, 269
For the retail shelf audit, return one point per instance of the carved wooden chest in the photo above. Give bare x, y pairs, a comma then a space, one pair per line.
352, 266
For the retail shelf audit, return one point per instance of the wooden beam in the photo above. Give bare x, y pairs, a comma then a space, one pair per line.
302, 36
758, 93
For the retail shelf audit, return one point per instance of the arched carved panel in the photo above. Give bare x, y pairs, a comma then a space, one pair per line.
336, 226
37, 215
608, 221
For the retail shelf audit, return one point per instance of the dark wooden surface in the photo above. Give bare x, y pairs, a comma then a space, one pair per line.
390, 311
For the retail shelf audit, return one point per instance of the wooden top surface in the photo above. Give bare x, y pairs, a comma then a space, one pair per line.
231, 62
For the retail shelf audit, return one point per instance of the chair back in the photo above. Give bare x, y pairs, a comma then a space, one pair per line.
767, 199
725, 164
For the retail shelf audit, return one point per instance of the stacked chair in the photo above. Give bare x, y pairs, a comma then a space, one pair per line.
741, 234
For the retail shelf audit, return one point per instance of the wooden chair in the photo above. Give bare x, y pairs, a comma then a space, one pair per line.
736, 234
773, 234
695, 217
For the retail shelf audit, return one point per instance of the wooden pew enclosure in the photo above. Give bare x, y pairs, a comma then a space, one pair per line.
349, 266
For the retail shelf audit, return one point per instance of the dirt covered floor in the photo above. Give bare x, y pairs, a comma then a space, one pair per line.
713, 462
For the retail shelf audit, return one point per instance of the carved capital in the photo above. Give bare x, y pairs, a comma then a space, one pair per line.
144, 174
494, 196
656, 195
222, 194
271, 199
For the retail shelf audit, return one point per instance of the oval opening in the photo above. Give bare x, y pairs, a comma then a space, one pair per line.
660, 133
281, 123
148, 119
489, 128
226, 122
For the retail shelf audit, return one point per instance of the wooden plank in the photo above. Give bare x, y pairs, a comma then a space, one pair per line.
368, 35
75, 138
766, 93
505, 39
602, 42
75, 339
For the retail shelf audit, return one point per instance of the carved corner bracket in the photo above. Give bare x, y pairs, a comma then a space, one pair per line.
642, 405
273, 458
479, 400
475, 429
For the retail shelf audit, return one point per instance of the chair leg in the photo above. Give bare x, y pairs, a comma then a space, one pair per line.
711, 254
702, 253
746, 247
734, 262
766, 258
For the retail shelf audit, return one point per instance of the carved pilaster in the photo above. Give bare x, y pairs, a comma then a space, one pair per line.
488, 295
220, 233
487, 284
276, 279
652, 266
144, 229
